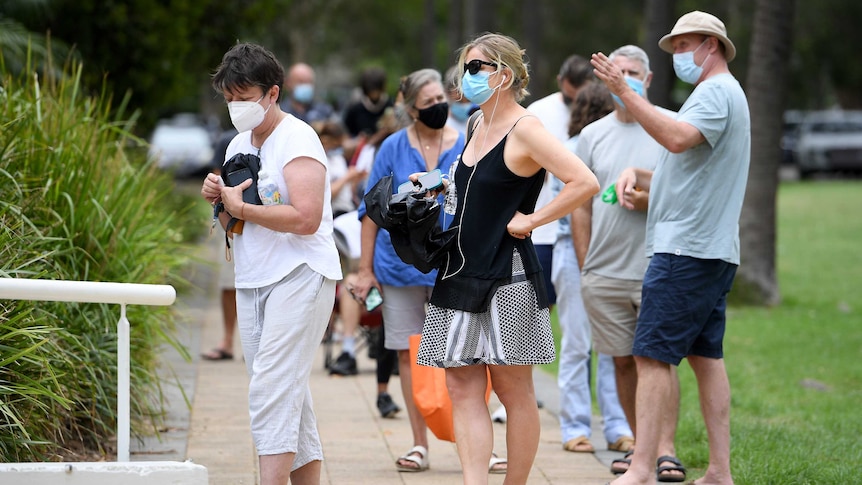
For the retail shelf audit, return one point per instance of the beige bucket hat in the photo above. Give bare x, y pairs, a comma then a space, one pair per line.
698, 22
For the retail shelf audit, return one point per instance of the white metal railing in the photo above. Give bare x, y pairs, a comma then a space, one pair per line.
98, 292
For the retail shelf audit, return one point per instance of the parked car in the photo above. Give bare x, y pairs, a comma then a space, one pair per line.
183, 145
789, 133
829, 141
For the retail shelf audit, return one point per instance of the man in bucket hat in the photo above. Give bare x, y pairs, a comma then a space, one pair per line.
696, 195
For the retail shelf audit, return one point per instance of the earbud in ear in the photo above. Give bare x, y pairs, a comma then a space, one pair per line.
504, 77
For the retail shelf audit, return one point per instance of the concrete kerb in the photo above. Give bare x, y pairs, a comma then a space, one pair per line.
104, 473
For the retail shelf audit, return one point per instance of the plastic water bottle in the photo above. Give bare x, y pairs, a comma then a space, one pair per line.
267, 189
450, 201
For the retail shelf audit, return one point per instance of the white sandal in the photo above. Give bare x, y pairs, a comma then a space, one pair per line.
421, 461
495, 461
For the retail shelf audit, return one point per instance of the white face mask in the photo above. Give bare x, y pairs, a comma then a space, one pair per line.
247, 115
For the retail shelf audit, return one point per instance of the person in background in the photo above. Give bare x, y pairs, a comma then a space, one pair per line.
344, 179
609, 241
460, 108
286, 263
489, 309
692, 236
227, 292
360, 118
343, 182
387, 359
425, 144
573, 378
300, 100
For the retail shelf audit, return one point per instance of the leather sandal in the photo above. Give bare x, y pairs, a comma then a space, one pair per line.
494, 466
624, 444
581, 444
676, 467
421, 461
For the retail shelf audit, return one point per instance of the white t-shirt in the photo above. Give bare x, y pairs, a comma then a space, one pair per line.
343, 200
554, 114
263, 256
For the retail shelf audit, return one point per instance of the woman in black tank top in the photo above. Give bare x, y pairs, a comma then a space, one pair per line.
489, 308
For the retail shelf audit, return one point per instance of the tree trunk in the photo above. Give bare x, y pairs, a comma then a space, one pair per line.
770, 51
455, 36
429, 36
480, 17
659, 18
531, 18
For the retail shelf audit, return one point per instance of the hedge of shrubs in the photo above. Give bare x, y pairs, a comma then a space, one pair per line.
78, 201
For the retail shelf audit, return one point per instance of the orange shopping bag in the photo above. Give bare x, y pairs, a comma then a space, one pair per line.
431, 395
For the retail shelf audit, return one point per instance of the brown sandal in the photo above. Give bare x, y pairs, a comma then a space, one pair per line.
581, 444
624, 444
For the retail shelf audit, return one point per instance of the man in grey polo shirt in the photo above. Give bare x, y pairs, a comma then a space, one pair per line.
609, 242
692, 236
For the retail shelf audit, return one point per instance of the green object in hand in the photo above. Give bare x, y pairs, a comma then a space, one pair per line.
610, 194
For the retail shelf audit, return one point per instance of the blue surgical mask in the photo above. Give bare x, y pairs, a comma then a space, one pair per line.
637, 86
475, 87
460, 111
686, 70
303, 93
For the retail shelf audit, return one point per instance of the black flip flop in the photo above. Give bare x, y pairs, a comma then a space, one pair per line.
627, 459
217, 354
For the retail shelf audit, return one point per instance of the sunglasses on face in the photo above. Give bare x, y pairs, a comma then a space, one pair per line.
475, 66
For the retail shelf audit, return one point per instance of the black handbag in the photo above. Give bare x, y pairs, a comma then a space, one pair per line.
238, 169
413, 225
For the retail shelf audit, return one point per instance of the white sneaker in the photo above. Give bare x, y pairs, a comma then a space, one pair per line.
499, 416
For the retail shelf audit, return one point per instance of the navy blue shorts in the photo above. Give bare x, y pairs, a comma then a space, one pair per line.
545, 252
682, 308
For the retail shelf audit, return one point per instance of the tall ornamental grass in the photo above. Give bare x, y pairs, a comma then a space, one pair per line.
78, 202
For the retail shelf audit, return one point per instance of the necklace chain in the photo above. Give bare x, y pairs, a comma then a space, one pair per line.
428, 147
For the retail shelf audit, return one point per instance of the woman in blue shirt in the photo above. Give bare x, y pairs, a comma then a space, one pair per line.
425, 144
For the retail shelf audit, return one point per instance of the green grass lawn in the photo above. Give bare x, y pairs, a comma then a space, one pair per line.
795, 369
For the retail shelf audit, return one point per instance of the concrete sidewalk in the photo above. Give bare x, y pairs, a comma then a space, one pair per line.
360, 446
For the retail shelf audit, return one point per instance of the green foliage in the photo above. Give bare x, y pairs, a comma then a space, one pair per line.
793, 369
74, 205
794, 382
159, 52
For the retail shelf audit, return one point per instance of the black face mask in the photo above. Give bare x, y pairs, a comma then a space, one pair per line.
435, 116
567, 100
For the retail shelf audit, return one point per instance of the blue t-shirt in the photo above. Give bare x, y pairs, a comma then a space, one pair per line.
696, 196
397, 158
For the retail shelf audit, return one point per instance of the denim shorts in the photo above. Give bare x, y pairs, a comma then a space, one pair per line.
682, 310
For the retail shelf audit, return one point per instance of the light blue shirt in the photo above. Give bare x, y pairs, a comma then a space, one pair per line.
696, 196
397, 158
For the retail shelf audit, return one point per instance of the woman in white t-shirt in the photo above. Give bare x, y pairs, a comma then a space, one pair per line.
285, 260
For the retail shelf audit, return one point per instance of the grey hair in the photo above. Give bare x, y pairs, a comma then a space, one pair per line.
632, 52
412, 84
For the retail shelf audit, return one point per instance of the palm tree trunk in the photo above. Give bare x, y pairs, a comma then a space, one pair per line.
659, 18
756, 281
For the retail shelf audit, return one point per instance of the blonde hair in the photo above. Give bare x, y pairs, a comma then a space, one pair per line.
506, 53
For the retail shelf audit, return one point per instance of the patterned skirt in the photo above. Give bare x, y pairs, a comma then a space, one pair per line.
513, 331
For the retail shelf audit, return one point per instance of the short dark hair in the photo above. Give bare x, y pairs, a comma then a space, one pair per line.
246, 65
372, 79
576, 70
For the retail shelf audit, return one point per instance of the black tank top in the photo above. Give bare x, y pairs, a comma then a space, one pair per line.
489, 194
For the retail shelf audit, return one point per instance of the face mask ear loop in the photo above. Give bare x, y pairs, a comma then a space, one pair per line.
488, 128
